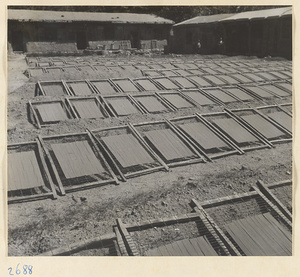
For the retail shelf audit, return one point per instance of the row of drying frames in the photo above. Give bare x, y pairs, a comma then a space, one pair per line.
260, 226
229, 73
99, 105
62, 163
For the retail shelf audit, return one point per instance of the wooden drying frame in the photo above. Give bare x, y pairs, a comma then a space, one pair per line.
124, 79
97, 101
281, 109
28, 71
169, 92
117, 90
199, 208
39, 88
200, 155
201, 91
110, 157
107, 168
216, 99
208, 156
45, 170
127, 96
34, 117
255, 192
46, 69
262, 99
266, 144
71, 93
161, 86
255, 111
162, 101
242, 89
197, 84
161, 222
178, 84
140, 87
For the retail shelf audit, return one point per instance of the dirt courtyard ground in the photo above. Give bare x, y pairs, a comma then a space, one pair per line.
39, 226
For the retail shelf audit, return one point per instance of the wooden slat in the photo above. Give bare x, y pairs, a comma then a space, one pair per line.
168, 144
127, 150
77, 159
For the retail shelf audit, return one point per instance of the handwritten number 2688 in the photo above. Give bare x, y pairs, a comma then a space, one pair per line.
27, 269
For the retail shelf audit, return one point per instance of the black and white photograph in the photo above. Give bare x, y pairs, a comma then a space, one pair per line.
150, 131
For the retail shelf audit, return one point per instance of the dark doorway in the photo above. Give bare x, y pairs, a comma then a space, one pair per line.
134, 39
81, 40
17, 41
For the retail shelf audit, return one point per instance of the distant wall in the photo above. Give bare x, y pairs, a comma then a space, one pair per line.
268, 37
81, 33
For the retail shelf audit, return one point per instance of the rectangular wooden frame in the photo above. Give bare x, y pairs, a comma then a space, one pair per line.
255, 111
125, 79
44, 171
161, 86
170, 92
173, 79
201, 91
281, 107
255, 192
87, 82
215, 99
54, 170
261, 140
208, 156
130, 249
242, 89
131, 130
141, 88
244, 86
34, 117
69, 101
162, 101
103, 100
39, 87
199, 155
117, 90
